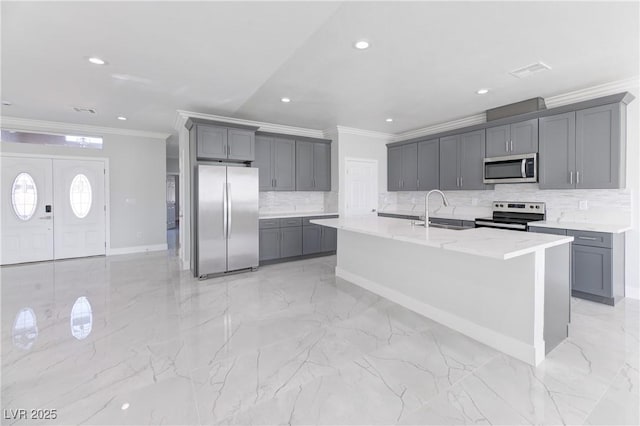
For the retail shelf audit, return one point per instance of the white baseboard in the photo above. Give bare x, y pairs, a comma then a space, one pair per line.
632, 292
137, 249
517, 349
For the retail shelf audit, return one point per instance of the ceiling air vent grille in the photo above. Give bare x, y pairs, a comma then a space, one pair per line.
84, 109
530, 69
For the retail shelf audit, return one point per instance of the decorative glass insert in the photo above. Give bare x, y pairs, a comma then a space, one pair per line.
24, 196
80, 196
25, 329
73, 141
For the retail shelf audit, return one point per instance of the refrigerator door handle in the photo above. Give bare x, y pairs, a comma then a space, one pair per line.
224, 210
229, 215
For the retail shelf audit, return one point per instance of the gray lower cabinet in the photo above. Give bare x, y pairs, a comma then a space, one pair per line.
288, 238
313, 166
584, 149
428, 165
597, 264
275, 159
402, 168
461, 161
512, 139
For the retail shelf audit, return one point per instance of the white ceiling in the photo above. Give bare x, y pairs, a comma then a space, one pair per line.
238, 59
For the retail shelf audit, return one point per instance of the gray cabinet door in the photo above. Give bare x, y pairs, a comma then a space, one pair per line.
394, 168
328, 239
598, 148
524, 137
428, 165
322, 167
592, 270
211, 142
284, 164
241, 144
410, 167
304, 166
449, 171
472, 148
498, 141
311, 239
263, 162
557, 157
291, 241
542, 230
269, 244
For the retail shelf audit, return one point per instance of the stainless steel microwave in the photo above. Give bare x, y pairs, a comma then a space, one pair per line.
520, 168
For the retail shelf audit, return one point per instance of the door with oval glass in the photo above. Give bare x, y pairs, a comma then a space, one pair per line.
51, 209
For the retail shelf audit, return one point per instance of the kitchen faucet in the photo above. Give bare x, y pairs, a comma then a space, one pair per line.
426, 205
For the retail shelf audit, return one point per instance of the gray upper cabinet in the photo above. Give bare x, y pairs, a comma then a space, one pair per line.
428, 165
313, 166
402, 168
557, 151
211, 142
600, 148
583, 149
461, 161
394, 168
512, 139
216, 142
275, 158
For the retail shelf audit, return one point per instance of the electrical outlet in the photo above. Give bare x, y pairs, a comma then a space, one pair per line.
583, 205
139, 235
474, 201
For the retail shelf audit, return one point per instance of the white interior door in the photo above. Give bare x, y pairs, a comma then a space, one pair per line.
361, 187
27, 227
79, 208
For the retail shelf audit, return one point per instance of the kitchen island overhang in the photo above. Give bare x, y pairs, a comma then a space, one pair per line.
507, 289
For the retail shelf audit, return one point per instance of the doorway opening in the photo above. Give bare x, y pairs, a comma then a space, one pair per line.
173, 213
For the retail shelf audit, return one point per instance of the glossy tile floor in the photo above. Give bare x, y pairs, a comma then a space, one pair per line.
133, 340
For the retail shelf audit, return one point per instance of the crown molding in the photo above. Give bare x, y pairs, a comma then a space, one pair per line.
441, 127
14, 123
182, 117
593, 92
361, 132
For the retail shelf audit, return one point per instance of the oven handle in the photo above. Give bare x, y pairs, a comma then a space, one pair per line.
501, 225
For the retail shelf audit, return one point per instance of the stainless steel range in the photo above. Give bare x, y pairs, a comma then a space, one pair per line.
512, 215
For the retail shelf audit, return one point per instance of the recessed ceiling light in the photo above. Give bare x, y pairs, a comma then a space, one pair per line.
97, 61
482, 91
362, 44
125, 406
285, 100
121, 117
389, 120
6, 103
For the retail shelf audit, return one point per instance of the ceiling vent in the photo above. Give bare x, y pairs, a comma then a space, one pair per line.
84, 109
530, 69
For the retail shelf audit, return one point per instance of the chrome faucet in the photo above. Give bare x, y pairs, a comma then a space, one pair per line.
426, 205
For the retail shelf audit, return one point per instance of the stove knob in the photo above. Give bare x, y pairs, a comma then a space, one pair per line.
537, 207
530, 207
497, 205
501, 205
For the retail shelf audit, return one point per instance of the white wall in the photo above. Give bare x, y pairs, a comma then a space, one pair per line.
137, 186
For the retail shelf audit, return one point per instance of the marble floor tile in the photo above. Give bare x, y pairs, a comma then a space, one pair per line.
133, 339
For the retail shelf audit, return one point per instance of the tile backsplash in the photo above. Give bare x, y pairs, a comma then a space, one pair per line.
293, 201
576, 205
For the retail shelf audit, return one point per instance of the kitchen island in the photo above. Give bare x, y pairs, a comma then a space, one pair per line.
507, 289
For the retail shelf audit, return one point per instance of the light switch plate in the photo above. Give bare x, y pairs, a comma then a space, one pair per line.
583, 205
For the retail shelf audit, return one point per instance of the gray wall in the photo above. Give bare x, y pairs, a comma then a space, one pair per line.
173, 166
137, 185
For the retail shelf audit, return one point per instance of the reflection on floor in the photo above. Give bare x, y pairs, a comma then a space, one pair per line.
133, 340
173, 242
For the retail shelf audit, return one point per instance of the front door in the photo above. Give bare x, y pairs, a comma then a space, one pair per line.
79, 215
27, 193
51, 209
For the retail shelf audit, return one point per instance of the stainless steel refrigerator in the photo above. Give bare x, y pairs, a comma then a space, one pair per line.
226, 232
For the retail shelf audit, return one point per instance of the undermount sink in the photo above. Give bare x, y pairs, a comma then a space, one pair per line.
452, 227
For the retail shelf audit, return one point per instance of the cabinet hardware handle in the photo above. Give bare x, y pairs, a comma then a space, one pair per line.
577, 178
589, 238
275, 182
461, 181
511, 143
571, 178
399, 184
506, 146
418, 183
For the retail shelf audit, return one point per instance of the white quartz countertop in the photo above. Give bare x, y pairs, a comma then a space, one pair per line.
294, 214
487, 242
611, 228
456, 216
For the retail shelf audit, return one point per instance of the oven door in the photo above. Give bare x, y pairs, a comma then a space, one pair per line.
488, 223
521, 168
